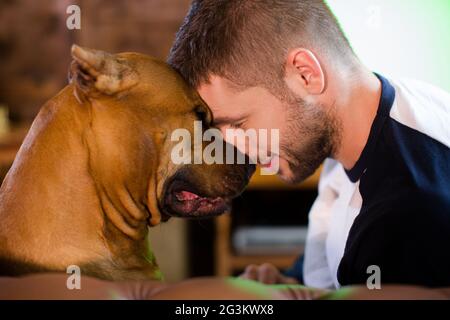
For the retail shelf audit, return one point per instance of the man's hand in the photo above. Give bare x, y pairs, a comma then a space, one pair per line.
267, 274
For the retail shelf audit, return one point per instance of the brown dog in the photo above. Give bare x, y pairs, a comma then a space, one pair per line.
94, 171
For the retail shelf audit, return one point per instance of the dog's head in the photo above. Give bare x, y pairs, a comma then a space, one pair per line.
142, 136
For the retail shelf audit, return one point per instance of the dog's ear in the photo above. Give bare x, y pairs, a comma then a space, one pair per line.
94, 71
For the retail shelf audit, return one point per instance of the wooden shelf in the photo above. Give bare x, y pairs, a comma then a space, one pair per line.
259, 182
281, 261
227, 261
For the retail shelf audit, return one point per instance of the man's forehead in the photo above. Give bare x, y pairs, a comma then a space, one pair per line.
226, 100
221, 97
217, 89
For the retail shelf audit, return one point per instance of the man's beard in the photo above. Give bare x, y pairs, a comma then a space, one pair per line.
312, 135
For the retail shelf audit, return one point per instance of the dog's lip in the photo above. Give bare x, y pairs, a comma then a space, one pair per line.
182, 200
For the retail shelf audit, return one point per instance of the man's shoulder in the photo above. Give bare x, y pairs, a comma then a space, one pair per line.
419, 131
423, 108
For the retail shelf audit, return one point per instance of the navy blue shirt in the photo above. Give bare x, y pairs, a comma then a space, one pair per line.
404, 223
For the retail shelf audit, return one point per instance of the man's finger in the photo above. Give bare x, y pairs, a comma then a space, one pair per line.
268, 274
286, 280
250, 273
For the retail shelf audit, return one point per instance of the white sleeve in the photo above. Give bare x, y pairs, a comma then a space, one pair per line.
316, 271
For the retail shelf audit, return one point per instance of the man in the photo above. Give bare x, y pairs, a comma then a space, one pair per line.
384, 194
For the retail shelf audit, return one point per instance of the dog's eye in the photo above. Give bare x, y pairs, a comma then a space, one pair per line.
202, 115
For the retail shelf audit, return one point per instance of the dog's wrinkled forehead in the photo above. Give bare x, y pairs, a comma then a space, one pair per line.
165, 87
100, 74
162, 82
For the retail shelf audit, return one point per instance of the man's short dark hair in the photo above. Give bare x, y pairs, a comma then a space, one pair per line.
247, 41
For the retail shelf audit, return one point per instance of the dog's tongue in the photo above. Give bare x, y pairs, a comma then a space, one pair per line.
186, 196
192, 203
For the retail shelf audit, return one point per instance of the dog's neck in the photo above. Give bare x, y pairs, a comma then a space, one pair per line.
57, 210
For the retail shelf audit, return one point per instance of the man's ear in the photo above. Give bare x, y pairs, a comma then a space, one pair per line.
303, 70
96, 72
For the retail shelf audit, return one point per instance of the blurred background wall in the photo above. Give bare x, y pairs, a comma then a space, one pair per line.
400, 38
35, 43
